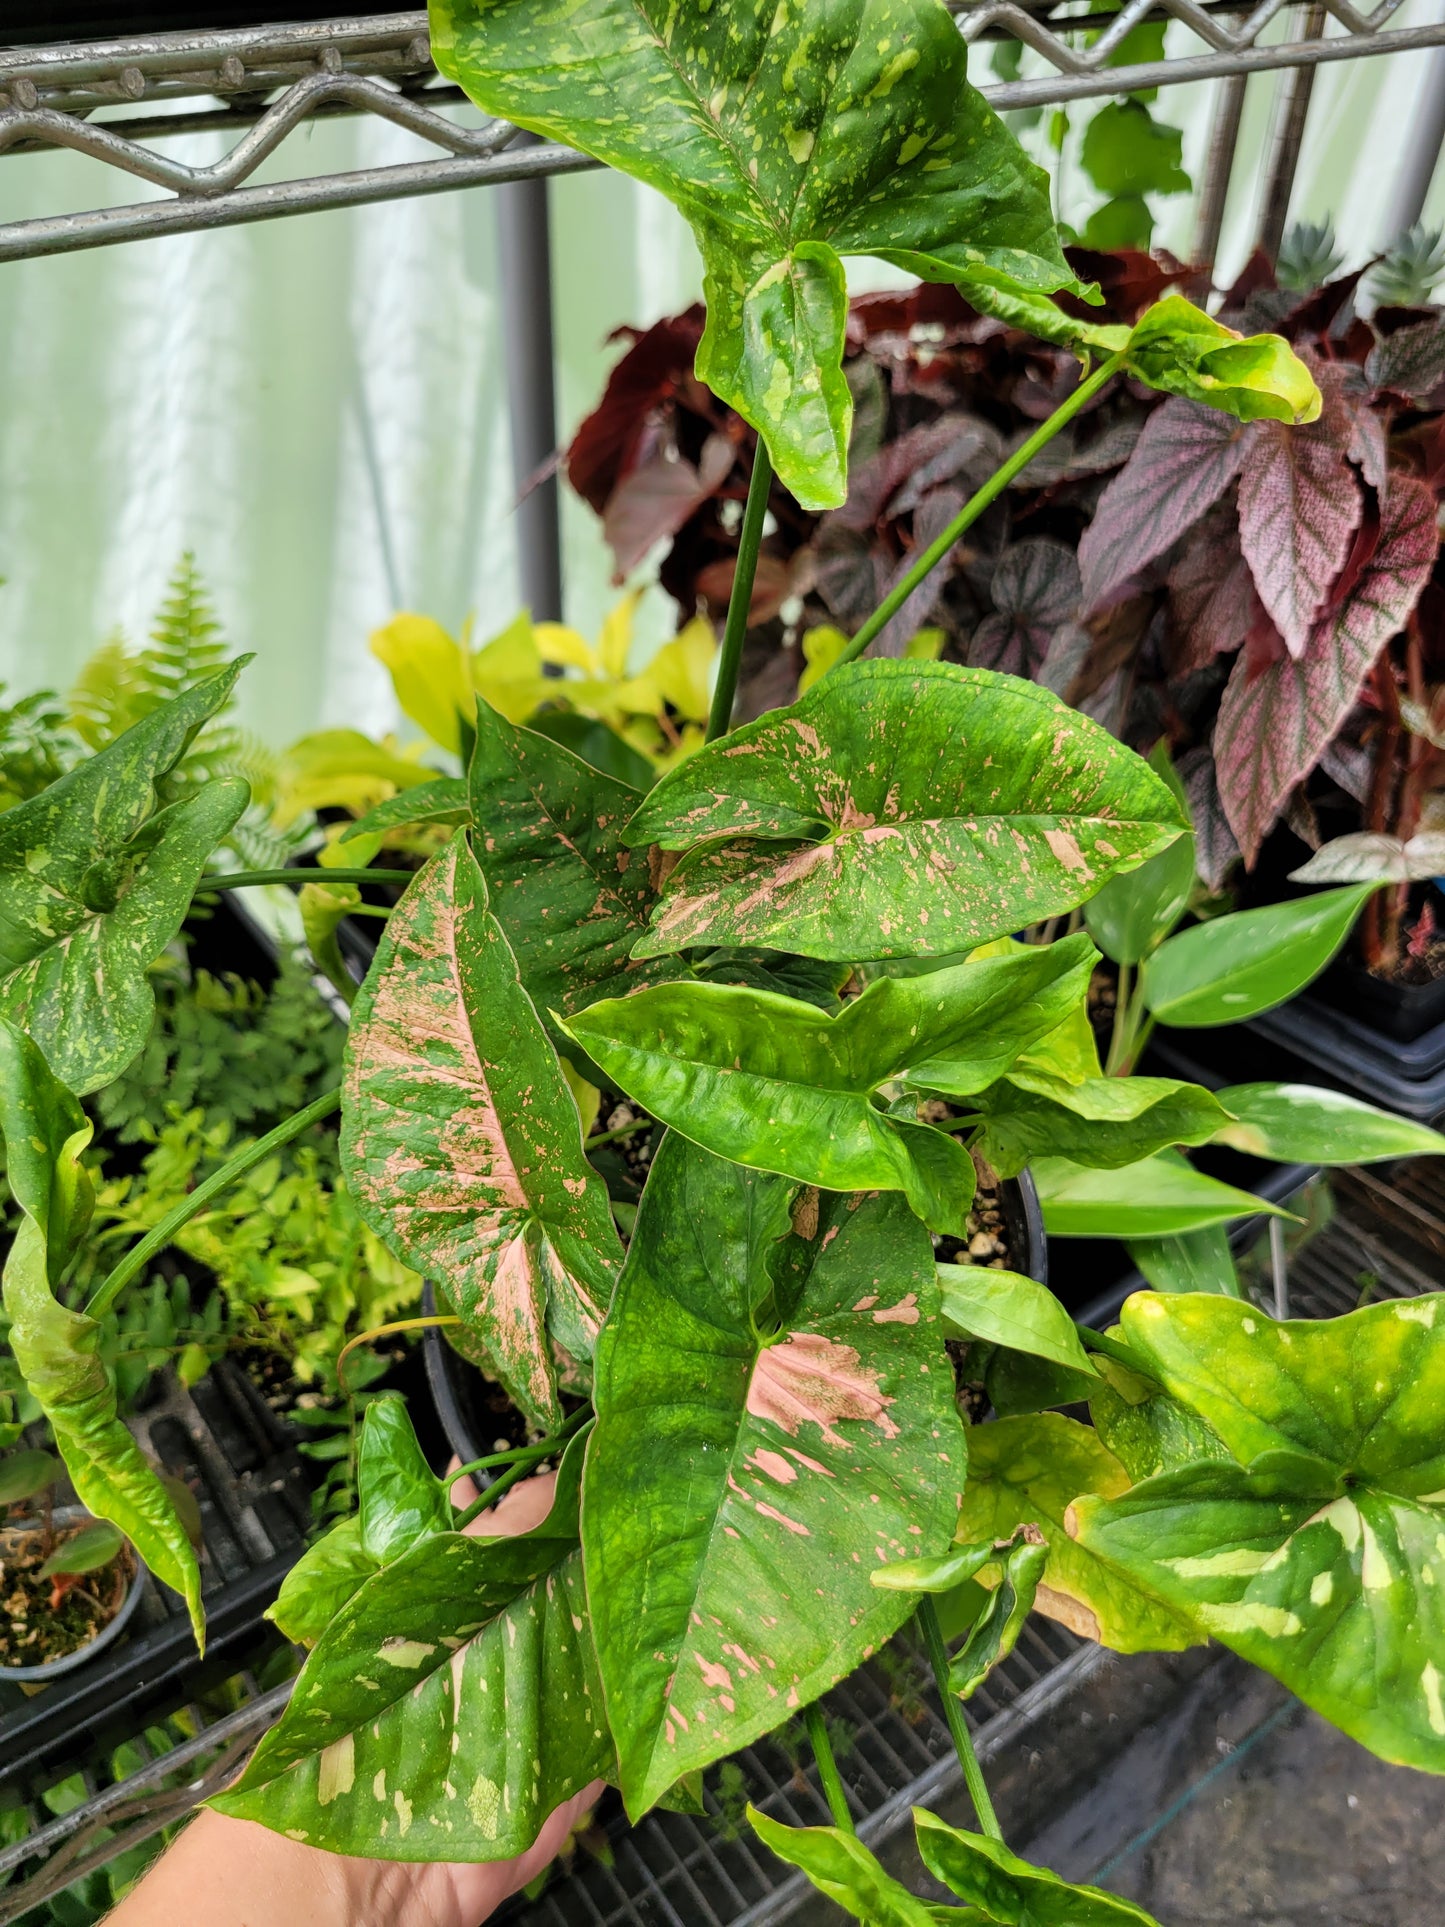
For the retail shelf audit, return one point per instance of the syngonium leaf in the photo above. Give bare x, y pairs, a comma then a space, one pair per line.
782, 1086
1135, 912
1003, 1308
840, 1866
1233, 967
768, 1403
1319, 1554
570, 895
1028, 1471
1154, 1197
1275, 722
994, 1634
460, 1139
95, 880
320, 1583
1302, 1124
1004, 1888
1104, 1122
443, 800
450, 1706
788, 139
58, 1350
898, 809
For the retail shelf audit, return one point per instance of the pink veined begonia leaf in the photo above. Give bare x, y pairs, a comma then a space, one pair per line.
1274, 726
656, 497
1035, 591
1211, 592
1186, 458
1299, 506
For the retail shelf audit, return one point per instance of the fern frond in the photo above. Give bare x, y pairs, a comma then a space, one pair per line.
107, 696
186, 642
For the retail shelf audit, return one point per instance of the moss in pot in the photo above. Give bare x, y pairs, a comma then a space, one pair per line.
69, 1583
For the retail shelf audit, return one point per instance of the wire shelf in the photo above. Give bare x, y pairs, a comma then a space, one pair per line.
262, 83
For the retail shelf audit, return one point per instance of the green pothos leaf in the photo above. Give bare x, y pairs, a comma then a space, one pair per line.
460, 1139
782, 1086
840, 1866
57, 1350
570, 895
1319, 1553
1028, 1471
898, 809
95, 880
774, 1418
788, 138
450, 1706
1004, 1888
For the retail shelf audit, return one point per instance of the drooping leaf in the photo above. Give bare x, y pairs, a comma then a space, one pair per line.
320, 1583
787, 141
58, 1350
1135, 912
1236, 966
570, 895
1275, 723
95, 880
459, 1136
1186, 458
840, 1866
782, 1086
871, 819
449, 1707
1192, 1261
1028, 1471
1004, 1308
442, 800
1105, 1122
1157, 1197
766, 1404
93, 1546
942, 1574
994, 1634
1005, 1888
1299, 507
1302, 1124
1316, 1555
1179, 348
1370, 856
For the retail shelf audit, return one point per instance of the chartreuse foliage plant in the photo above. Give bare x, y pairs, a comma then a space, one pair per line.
796, 956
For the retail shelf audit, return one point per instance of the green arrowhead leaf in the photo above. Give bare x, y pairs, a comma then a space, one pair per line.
994, 1634
401, 1498
450, 1706
1237, 966
320, 1583
460, 1139
898, 809
443, 800
767, 1405
571, 897
788, 139
95, 880
1005, 1888
1029, 1471
57, 1350
1103, 1121
1299, 1123
1320, 1554
1136, 911
1156, 1197
782, 1086
1005, 1308
840, 1866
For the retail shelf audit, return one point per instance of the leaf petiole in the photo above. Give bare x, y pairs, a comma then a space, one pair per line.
974, 508
235, 1167
543, 1449
957, 1724
828, 1773
725, 690
623, 1130
254, 879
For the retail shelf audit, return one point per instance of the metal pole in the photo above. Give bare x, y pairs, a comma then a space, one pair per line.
1279, 1267
524, 255
1213, 199
1412, 184
1289, 129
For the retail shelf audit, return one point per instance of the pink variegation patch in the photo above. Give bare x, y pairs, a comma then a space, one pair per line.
809, 1379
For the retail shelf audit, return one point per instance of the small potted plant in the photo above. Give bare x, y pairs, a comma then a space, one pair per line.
69, 1583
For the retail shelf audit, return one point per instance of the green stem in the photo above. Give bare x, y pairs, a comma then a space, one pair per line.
828, 1768
1121, 1035
253, 879
724, 694
544, 1449
526, 1455
957, 1724
235, 1167
1093, 1341
975, 506
623, 1130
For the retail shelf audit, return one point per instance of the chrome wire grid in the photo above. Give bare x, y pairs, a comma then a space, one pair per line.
263, 82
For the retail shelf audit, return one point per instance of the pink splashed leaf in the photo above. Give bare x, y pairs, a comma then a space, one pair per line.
1186, 458
1299, 506
460, 1140
1274, 726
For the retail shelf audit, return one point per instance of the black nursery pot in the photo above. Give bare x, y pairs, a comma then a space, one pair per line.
466, 1402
